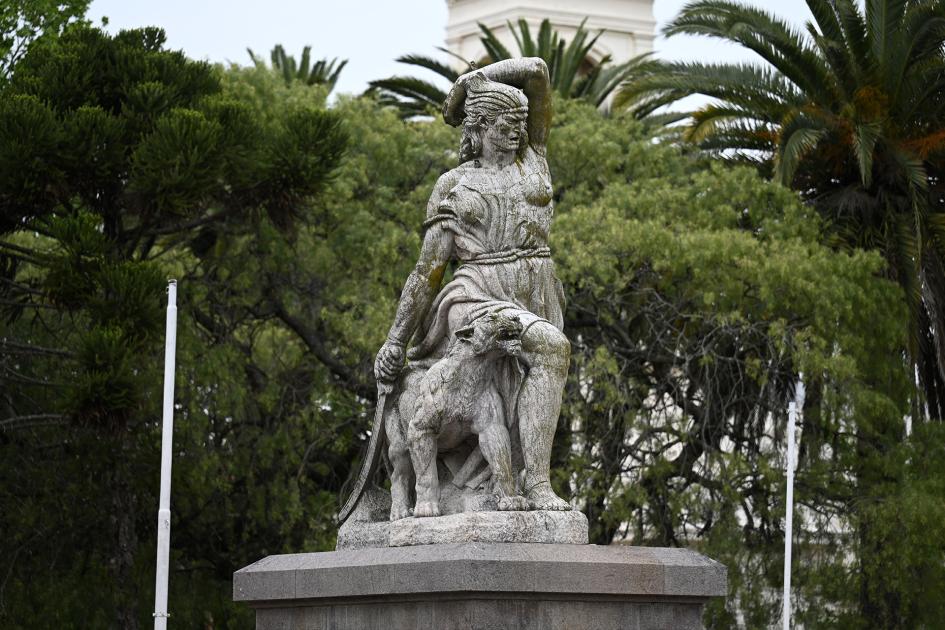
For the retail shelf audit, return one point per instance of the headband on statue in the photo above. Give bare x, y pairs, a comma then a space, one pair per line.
491, 98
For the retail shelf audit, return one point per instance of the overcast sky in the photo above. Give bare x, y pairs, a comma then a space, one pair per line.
369, 33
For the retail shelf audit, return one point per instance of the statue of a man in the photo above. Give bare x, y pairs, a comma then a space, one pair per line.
492, 215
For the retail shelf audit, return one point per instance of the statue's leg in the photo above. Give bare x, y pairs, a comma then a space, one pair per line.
421, 436
547, 352
496, 447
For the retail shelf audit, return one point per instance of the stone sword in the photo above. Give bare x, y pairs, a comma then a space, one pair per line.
373, 455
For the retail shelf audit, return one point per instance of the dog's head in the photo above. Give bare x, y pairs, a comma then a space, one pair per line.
494, 335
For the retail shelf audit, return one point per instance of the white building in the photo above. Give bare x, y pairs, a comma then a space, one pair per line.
629, 26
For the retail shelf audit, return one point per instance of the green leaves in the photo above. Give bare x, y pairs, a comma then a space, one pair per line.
23, 21
302, 156
322, 72
120, 161
29, 139
697, 292
177, 165
847, 114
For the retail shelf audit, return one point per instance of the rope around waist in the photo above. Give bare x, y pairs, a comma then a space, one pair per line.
507, 256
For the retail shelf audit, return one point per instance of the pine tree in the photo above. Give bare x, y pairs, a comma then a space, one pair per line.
118, 160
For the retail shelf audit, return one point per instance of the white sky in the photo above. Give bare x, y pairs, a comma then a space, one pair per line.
369, 33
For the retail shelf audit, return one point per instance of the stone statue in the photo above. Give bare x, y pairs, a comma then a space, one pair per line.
491, 217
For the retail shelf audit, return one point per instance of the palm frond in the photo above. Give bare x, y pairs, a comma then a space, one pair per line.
799, 136
711, 118
743, 84
865, 137
322, 72
882, 19
494, 47
855, 36
422, 61
771, 38
411, 88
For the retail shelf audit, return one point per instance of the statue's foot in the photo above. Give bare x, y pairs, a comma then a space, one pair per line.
513, 503
542, 497
398, 512
426, 508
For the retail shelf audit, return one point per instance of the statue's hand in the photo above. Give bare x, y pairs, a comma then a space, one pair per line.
390, 361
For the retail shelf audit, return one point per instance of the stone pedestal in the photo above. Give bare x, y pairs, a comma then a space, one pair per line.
487, 586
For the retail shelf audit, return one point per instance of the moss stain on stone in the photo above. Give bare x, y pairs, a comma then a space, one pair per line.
436, 276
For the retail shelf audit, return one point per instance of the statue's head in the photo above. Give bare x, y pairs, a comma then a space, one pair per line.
496, 116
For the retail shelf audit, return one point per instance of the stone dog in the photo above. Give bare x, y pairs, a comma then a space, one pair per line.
444, 406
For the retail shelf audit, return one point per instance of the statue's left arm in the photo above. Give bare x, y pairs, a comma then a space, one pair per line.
529, 74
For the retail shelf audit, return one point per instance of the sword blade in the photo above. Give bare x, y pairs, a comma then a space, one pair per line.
373, 455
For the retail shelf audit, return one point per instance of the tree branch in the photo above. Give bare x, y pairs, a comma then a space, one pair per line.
311, 339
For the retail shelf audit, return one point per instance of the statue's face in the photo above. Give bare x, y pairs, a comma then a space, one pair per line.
505, 135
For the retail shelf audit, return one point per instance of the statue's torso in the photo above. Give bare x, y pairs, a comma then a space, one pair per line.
502, 211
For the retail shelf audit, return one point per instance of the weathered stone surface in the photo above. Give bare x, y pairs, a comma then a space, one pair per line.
492, 527
494, 586
480, 567
485, 527
359, 535
476, 409
477, 613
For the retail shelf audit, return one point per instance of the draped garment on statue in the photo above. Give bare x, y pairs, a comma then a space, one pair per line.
500, 240
500, 227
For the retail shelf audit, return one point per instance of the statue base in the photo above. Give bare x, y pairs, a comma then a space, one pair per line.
482, 586
568, 528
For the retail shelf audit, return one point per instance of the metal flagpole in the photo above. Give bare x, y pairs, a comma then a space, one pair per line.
789, 507
167, 446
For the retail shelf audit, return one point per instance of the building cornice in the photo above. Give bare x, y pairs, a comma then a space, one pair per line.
559, 18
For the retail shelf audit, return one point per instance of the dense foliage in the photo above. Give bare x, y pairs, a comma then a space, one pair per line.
698, 292
23, 21
119, 163
852, 115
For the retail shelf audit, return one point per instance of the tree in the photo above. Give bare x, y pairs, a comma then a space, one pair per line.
23, 21
696, 294
120, 161
572, 74
850, 114
323, 72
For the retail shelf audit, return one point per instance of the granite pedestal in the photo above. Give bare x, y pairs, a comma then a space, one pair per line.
487, 586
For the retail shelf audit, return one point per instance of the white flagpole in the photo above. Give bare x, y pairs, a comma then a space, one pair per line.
167, 447
789, 507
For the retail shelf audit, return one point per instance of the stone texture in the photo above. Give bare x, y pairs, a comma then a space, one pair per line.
483, 614
485, 527
476, 408
535, 568
360, 535
495, 586
492, 527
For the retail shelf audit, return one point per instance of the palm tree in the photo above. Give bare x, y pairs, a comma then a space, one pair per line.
323, 72
851, 113
567, 65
